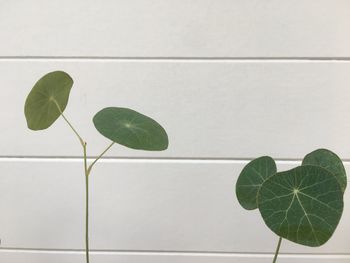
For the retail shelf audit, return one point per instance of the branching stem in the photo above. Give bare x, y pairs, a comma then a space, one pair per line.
99, 157
87, 170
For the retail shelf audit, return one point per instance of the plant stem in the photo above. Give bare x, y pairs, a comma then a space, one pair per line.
87, 170
86, 205
277, 250
74, 130
99, 157
69, 124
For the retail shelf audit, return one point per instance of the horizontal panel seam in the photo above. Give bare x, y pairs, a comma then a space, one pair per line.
179, 59
144, 160
163, 252
158, 159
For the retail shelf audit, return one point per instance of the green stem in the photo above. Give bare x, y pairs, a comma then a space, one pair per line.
74, 130
86, 205
87, 170
69, 124
99, 157
277, 250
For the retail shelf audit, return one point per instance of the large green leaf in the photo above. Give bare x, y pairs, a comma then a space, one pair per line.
47, 98
251, 178
330, 161
131, 129
303, 205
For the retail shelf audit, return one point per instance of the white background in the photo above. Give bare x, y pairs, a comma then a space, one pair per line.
230, 80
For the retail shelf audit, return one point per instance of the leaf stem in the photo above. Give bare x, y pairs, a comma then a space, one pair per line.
86, 172
98, 158
277, 250
86, 205
74, 130
70, 125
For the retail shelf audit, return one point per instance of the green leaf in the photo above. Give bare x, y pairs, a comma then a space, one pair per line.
49, 93
250, 180
131, 129
330, 161
303, 205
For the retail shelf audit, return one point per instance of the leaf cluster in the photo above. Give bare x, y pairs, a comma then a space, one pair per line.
304, 204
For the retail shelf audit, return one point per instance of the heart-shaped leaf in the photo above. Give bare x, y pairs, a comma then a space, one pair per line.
131, 129
303, 205
47, 99
330, 161
251, 179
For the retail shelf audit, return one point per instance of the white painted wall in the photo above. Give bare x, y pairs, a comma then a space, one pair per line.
230, 80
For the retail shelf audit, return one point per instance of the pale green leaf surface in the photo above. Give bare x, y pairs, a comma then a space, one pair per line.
251, 178
47, 98
303, 205
131, 129
330, 161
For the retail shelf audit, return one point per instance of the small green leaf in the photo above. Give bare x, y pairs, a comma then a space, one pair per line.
303, 205
330, 161
49, 93
131, 129
251, 178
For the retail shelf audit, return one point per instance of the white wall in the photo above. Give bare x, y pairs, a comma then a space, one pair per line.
230, 80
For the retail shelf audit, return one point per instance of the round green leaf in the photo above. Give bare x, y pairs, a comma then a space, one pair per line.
330, 161
131, 129
251, 178
47, 98
303, 205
